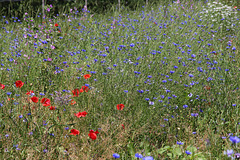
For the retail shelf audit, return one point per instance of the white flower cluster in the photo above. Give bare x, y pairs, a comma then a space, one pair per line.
219, 14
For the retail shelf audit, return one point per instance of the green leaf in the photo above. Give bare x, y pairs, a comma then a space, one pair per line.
177, 151
191, 149
161, 150
170, 155
167, 147
199, 156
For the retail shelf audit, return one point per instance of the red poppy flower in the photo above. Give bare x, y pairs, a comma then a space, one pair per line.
123, 126
34, 99
81, 114
207, 87
73, 102
52, 108
9, 99
45, 102
76, 92
2, 86
120, 106
86, 76
235, 7
85, 88
29, 92
56, 25
19, 84
74, 132
92, 134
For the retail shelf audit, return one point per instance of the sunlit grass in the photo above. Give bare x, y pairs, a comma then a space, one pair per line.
176, 76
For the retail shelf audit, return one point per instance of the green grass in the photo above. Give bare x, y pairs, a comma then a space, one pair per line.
143, 47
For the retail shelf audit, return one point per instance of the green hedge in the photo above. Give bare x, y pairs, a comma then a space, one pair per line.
34, 7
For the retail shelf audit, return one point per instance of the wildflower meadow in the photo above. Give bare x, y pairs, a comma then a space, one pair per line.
158, 82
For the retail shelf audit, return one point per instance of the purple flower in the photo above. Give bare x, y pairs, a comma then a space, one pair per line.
234, 139
151, 103
115, 155
229, 152
179, 143
188, 152
185, 106
148, 158
137, 155
190, 75
237, 155
66, 128
194, 114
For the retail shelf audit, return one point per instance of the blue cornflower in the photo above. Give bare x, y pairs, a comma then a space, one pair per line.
66, 128
179, 143
132, 45
188, 152
234, 139
51, 134
147, 99
137, 155
185, 106
151, 103
168, 91
190, 75
237, 155
44, 123
15, 145
229, 152
148, 158
115, 155
194, 114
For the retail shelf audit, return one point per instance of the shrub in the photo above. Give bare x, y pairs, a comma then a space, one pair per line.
219, 14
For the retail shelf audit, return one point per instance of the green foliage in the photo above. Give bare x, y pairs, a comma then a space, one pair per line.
177, 152
129, 55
